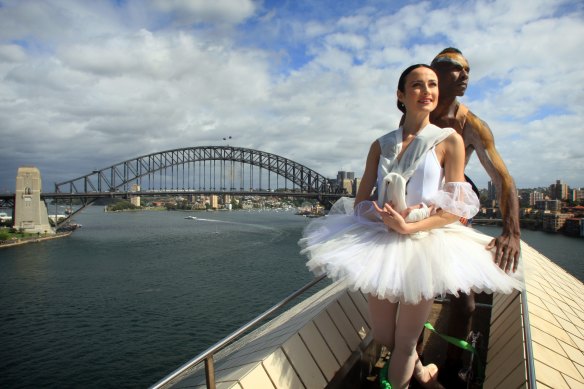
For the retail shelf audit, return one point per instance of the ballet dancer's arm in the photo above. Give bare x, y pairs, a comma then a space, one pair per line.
370, 174
396, 222
478, 135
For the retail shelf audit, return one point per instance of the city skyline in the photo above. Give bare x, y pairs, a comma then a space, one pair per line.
86, 85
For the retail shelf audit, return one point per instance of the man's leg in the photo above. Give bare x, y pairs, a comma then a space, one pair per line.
459, 325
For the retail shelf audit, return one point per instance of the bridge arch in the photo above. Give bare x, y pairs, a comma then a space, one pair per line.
193, 168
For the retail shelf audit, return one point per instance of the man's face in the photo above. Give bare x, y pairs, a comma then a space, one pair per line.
452, 73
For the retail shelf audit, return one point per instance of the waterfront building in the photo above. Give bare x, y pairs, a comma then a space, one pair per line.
577, 210
491, 191
577, 195
535, 196
4, 218
356, 183
548, 205
198, 206
343, 175
490, 212
573, 226
347, 186
559, 190
524, 198
212, 200
553, 222
345, 181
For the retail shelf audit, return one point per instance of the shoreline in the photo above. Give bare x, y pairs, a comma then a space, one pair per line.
20, 242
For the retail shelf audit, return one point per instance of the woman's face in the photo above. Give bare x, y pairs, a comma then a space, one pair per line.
421, 91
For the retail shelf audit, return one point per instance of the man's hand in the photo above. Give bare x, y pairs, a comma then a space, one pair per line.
507, 251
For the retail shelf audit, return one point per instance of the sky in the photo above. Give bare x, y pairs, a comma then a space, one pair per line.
88, 84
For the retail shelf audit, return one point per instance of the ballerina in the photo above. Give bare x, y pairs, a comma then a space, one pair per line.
408, 246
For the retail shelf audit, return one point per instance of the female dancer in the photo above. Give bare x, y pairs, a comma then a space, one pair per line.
409, 246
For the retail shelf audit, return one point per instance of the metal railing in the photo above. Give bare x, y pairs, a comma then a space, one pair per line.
530, 365
207, 356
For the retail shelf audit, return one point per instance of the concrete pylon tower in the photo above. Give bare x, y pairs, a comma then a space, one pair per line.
30, 213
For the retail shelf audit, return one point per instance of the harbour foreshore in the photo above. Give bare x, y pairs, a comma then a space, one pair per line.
22, 241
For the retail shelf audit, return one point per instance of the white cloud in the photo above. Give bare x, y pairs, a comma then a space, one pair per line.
207, 11
95, 83
12, 53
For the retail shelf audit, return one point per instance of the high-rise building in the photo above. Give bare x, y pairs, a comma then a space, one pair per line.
559, 190
343, 175
577, 195
548, 205
345, 181
535, 196
491, 191
356, 183
348, 186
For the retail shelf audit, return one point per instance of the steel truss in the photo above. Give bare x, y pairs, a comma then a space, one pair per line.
187, 167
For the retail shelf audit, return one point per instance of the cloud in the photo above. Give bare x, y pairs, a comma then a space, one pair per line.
12, 53
206, 11
90, 84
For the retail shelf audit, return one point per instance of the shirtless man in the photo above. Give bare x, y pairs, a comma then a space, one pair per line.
453, 70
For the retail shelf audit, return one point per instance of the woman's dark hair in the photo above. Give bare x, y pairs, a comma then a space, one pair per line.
401, 84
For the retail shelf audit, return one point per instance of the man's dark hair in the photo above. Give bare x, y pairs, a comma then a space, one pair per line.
450, 50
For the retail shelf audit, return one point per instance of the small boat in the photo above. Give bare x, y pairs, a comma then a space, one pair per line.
191, 217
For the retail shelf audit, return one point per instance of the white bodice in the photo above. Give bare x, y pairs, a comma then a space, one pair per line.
426, 180
417, 176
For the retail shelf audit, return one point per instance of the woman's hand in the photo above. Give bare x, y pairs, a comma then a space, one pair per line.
393, 220
408, 210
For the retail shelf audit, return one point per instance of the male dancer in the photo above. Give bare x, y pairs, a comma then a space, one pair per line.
453, 69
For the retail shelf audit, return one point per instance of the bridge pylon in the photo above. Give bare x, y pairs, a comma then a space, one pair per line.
30, 212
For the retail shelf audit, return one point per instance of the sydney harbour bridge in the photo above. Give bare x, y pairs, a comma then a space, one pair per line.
202, 170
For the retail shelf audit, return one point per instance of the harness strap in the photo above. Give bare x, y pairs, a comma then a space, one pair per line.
463, 344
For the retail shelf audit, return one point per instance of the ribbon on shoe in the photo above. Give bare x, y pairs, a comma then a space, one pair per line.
383, 378
463, 344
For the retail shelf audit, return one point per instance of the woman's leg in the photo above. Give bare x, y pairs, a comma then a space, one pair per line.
403, 357
383, 314
427, 376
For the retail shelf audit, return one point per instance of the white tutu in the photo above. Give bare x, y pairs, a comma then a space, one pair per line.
405, 268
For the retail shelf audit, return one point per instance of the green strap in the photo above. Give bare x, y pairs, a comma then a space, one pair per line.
463, 344
383, 379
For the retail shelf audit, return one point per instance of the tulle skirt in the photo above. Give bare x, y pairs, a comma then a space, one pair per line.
405, 268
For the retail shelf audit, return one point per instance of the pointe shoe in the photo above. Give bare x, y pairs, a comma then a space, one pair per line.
429, 377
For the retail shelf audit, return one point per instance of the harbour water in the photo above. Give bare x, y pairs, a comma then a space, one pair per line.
131, 296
